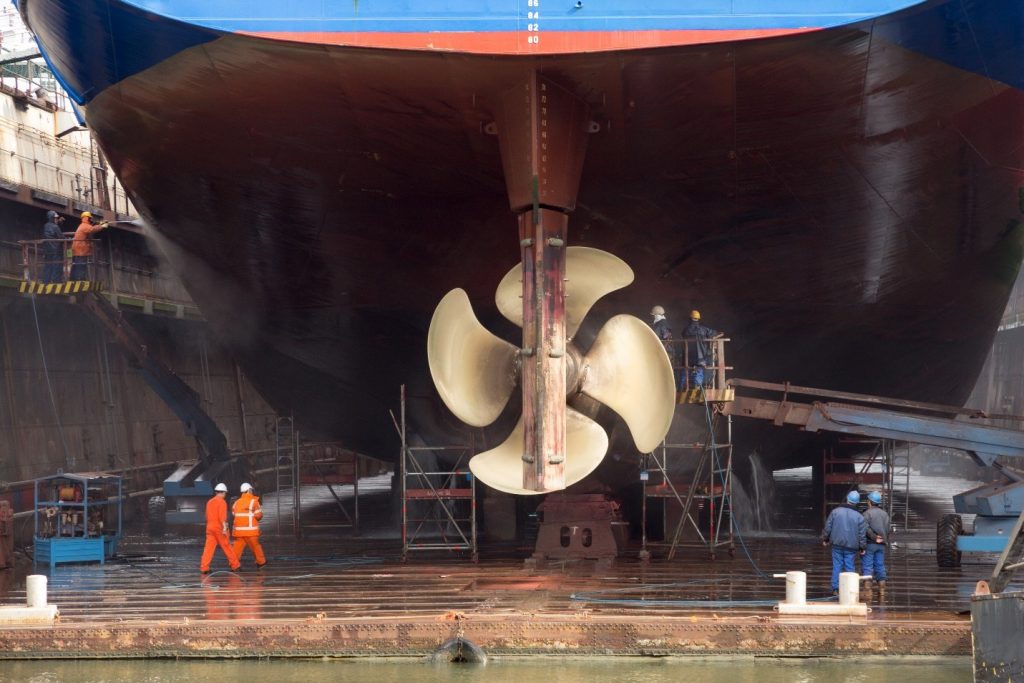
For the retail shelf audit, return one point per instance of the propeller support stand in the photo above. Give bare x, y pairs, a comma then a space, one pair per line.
542, 132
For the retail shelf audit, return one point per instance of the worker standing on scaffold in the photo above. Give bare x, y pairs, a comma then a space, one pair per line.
217, 530
81, 246
702, 357
53, 248
247, 514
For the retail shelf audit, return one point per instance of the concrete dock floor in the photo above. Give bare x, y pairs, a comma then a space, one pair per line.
345, 596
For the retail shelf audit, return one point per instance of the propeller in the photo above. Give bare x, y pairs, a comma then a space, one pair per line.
626, 369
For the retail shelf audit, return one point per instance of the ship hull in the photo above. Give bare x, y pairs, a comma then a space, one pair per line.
841, 202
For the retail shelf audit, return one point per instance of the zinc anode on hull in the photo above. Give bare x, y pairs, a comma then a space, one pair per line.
842, 206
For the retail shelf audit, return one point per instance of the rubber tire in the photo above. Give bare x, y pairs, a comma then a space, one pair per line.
947, 530
156, 510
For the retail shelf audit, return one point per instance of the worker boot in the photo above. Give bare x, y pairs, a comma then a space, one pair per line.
881, 585
865, 585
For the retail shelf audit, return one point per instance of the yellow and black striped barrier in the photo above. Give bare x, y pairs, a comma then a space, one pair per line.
62, 288
707, 395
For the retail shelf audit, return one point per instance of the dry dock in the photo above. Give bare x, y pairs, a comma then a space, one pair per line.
355, 597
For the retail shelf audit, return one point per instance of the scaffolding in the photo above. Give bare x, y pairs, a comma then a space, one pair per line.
319, 464
899, 478
329, 465
874, 464
703, 503
855, 462
438, 507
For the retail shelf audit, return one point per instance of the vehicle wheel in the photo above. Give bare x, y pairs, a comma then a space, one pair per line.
156, 509
947, 530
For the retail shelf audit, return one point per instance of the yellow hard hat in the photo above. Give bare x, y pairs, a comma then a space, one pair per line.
657, 310
86, 214
694, 315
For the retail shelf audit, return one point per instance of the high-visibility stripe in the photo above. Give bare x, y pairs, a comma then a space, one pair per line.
251, 514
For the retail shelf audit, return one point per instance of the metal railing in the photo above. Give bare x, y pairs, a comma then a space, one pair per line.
52, 261
55, 178
691, 374
27, 260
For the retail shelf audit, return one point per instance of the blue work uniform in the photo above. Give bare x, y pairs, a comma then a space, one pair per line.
701, 357
877, 521
847, 531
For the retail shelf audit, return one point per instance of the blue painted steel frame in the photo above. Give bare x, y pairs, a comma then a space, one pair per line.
59, 549
980, 544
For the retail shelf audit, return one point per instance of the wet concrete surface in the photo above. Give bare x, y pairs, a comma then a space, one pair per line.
332, 576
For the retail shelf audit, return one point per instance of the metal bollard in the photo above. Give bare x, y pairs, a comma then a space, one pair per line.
849, 588
35, 590
796, 587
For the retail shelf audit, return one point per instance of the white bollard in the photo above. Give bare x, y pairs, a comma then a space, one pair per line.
849, 588
796, 587
35, 590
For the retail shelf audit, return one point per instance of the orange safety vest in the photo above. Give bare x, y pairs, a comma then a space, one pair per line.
247, 514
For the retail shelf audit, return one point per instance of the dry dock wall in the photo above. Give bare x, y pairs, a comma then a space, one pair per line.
68, 397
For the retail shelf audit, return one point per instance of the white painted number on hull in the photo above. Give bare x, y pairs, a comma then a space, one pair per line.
533, 28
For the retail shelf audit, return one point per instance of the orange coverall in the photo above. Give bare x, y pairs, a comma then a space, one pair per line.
217, 534
81, 244
248, 514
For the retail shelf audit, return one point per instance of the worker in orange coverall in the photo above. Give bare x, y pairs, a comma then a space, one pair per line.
217, 530
248, 514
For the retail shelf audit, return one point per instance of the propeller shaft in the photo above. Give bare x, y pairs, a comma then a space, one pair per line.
542, 236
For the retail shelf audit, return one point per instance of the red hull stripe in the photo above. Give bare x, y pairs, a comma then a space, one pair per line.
523, 42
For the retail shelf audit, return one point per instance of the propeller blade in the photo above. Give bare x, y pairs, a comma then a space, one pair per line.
628, 370
590, 274
473, 369
501, 468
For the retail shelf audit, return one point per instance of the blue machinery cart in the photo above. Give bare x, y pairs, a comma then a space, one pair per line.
77, 517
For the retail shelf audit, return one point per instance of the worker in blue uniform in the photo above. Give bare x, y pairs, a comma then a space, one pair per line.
661, 328
877, 521
847, 531
53, 248
701, 358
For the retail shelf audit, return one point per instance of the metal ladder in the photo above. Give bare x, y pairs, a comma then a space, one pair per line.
286, 464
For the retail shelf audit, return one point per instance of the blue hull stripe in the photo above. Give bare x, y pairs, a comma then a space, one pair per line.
508, 15
93, 44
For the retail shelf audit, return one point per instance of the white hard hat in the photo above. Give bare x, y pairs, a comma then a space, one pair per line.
221, 487
246, 487
657, 310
